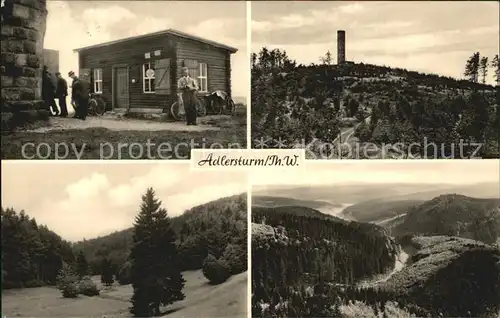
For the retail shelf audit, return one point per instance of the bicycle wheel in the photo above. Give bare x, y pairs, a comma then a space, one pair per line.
100, 107
201, 108
230, 106
177, 112
92, 107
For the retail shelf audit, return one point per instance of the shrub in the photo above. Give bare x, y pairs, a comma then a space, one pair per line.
235, 257
69, 291
216, 271
66, 281
87, 287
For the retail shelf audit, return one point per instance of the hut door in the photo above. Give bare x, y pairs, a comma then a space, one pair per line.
120, 87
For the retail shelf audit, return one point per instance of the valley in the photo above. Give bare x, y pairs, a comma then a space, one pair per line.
436, 244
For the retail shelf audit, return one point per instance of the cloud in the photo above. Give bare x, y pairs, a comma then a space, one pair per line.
352, 8
159, 178
426, 38
95, 201
87, 188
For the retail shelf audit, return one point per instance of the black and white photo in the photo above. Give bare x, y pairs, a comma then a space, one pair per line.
376, 80
379, 239
123, 240
108, 79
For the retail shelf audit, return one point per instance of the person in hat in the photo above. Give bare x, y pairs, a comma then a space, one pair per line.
188, 87
80, 95
48, 91
61, 93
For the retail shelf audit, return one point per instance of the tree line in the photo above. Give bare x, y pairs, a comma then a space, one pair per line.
32, 255
477, 67
211, 237
217, 228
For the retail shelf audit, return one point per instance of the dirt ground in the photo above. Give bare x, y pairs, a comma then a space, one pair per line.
225, 300
112, 137
117, 124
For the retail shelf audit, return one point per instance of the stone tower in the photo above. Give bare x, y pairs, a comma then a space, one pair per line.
340, 46
22, 34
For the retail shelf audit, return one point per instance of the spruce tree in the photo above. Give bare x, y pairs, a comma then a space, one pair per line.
82, 266
156, 275
106, 272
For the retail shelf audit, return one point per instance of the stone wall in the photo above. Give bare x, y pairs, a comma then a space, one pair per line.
22, 33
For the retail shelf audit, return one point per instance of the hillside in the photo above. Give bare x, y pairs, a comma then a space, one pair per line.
270, 201
228, 299
204, 229
361, 103
294, 248
305, 264
32, 254
449, 275
378, 209
453, 215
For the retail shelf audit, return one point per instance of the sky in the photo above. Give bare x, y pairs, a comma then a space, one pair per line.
74, 24
433, 36
384, 171
86, 200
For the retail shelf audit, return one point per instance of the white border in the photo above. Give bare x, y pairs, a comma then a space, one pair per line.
249, 55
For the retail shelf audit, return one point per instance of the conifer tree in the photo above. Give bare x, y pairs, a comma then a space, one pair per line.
156, 275
106, 273
82, 266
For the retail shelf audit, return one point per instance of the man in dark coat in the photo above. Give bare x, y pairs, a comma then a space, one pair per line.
48, 91
61, 94
188, 87
80, 94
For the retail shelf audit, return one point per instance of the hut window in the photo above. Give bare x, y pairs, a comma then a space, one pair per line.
148, 78
203, 78
98, 80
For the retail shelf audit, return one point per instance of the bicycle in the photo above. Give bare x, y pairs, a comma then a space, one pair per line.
220, 103
96, 106
178, 112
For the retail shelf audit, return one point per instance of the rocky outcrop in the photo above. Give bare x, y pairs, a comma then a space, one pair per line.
22, 35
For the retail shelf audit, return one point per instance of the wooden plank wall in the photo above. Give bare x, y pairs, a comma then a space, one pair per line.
215, 58
133, 56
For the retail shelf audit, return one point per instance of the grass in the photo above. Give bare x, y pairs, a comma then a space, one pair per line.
102, 143
224, 300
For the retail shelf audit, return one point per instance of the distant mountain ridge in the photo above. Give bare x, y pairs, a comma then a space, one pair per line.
452, 215
364, 191
272, 201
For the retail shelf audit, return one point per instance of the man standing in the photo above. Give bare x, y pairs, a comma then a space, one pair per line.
188, 87
48, 91
61, 93
80, 94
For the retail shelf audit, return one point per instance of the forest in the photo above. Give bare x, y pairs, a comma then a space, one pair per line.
313, 250
33, 255
302, 105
